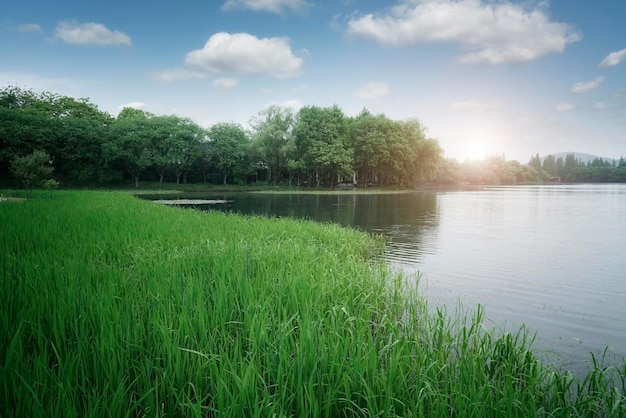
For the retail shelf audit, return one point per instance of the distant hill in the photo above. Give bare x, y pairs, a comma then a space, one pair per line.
585, 158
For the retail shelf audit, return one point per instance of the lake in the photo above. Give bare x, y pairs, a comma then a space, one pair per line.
551, 257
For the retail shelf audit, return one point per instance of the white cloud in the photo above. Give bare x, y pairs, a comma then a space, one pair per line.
564, 107
89, 34
476, 106
584, 87
242, 53
273, 6
600, 106
613, 59
494, 32
225, 83
29, 28
373, 91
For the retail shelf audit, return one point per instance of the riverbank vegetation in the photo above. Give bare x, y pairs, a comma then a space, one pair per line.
113, 306
313, 147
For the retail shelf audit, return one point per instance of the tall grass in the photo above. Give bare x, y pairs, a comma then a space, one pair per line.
112, 306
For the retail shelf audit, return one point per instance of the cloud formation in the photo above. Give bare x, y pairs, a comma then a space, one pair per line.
587, 86
613, 59
373, 91
564, 107
225, 83
76, 33
272, 6
29, 28
493, 32
242, 53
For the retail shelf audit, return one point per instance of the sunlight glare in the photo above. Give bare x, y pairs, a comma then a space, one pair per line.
478, 150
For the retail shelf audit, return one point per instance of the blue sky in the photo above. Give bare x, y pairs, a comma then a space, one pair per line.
484, 76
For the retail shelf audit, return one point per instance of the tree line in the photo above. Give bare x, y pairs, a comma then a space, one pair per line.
575, 170
315, 146
495, 170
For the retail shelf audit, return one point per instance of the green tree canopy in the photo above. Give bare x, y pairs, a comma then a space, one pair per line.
228, 142
272, 131
321, 141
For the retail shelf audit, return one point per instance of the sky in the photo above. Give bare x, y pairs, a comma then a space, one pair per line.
507, 77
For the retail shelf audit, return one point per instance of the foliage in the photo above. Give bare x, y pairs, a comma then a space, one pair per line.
496, 170
572, 169
314, 146
32, 169
321, 144
273, 128
50, 184
228, 142
208, 314
129, 143
71, 131
391, 152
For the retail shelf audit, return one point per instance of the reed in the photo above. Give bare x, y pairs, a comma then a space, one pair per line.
113, 306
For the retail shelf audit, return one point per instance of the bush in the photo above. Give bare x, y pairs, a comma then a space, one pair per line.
32, 169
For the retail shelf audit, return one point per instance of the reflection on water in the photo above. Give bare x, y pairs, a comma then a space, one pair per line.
407, 218
550, 257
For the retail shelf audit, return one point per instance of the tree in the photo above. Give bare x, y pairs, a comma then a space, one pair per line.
21, 131
535, 162
22, 126
449, 172
420, 156
368, 138
273, 128
129, 143
32, 169
549, 165
227, 147
570, 165
185, 145
321, 138
174, 144
70, 130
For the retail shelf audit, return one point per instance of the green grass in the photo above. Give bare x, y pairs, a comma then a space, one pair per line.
113, 306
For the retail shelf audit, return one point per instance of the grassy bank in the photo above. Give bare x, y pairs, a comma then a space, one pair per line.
113, 306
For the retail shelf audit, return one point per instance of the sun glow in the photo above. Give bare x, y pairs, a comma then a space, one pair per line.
476, 140
478, 150
478, 145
